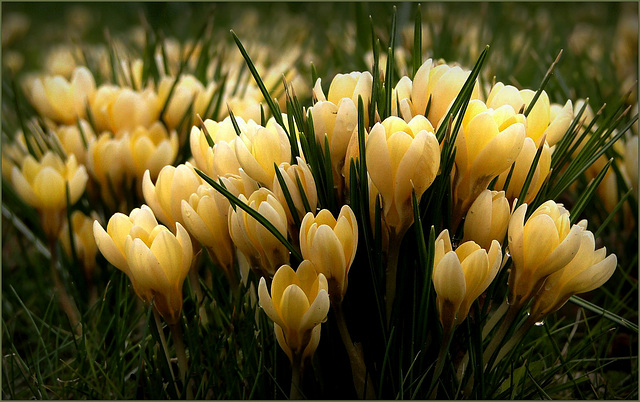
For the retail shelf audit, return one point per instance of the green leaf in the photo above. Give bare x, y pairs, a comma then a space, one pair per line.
544, 82
587, 305
275, 110
287, 196
417, 41
234, 122
530, 174
585, 196
303, 193
207, 136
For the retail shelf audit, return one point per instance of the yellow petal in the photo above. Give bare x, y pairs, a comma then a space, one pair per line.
293, 306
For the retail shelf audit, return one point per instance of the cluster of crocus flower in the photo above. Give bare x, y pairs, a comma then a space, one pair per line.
271, 213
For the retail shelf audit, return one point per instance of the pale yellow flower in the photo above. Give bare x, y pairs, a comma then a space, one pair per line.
220, 159
42, 184
259, 149
108, 165
440, 83
291, 174
174, 184
83, 240
187, 91
208, 223
156, 260
539, 247
298, 304
487, 219
150, 149
60, 100
588, 270
460, 276
488, 142
264, 251
331, 245
521, 170
123, 109
71, 139
401, 158
336, 117
539, 116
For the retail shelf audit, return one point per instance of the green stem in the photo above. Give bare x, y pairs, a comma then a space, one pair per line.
183, 364
194, 280
361, 379
61, 292
296, 376
392, 271
163, 341
447, 337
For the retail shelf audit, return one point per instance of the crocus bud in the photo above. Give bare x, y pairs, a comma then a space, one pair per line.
487, 144
156, 260
336, 120
72, 141
42, 184
331, 244
259, 148
63, 101
441, 84
521, 170
353, 85
107, 165
539, 116
402, 157
122, 109
203, 153
461, 276
81, 234
291, 175
204, 219
188, 90
151, 149
111, 242
561, 118
160, 262
588, 270
174, 184
487, 219
264, 251
542, 246
353, 152
298, 304
401, 96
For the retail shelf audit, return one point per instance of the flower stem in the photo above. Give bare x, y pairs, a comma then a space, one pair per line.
183, 364
361, 379
296, 375
447, 337
392, 271
163, 341
194, 281
63, 297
